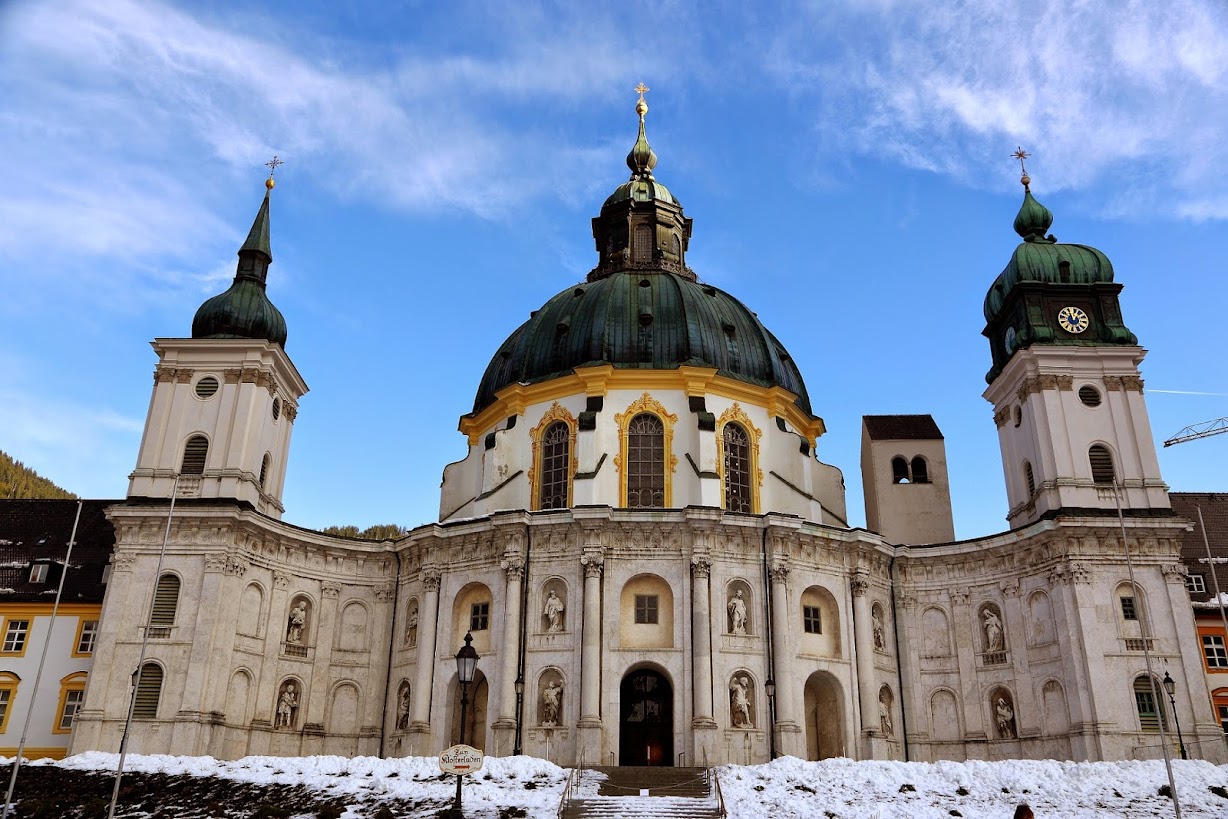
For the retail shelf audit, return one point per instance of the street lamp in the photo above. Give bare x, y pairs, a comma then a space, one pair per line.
769, 686
466, 665
519, 713
1170, 685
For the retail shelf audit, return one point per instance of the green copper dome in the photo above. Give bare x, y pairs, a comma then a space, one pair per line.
652, 320
244, 310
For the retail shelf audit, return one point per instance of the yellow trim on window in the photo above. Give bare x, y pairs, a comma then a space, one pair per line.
8, 682
76, 642
72, 682
30, 752
736, 414
556, 412
4, 633
646, 404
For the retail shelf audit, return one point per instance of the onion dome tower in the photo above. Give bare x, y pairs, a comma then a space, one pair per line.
641, 334
225, 400
1065, 384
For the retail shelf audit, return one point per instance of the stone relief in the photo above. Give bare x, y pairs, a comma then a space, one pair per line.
1003, 714
296, 624
287, 705
411, 625
403, 706
553, 611
737, 612
741, 704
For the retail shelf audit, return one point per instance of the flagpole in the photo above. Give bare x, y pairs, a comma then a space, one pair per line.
21, 746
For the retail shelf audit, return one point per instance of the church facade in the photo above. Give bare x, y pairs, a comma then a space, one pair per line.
652, 562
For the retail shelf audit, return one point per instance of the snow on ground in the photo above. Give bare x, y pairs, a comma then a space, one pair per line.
785, 789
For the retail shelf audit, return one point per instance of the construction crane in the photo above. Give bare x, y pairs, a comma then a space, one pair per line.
1195, 431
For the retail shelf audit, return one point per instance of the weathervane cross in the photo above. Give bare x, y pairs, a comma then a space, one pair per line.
642, 89
1021, 155
273, 163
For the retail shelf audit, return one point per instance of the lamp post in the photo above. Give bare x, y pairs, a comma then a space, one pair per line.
770, 688
516, 751
1170, 685
466, 665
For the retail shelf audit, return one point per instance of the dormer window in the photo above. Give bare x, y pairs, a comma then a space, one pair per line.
38, 573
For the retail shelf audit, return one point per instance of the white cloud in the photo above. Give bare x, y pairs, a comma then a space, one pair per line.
1091, 89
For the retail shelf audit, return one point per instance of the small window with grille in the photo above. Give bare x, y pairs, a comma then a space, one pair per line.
1213, 649
15, 634
646, 609
72, 704
479, 617
89, 634
1128, 610
641, 250
1102, 464
1196, 584
812, 619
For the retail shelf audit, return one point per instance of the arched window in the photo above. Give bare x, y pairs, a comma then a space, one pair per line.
1102, 464
1150, 710
645, 462
920, 472
148, 692
641, 250
264, 469
194, 453
738, 496
899, 470
555, 467
1029, 478
166, 601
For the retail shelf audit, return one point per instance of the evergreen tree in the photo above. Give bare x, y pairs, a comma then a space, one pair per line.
19, 481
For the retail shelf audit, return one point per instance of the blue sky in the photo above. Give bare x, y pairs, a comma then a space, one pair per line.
847, 165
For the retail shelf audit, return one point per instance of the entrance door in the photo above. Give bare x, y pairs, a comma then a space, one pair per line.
646, 733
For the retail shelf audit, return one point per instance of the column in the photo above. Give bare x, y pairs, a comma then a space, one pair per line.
505, 726
701, 634
311, 712
188, 725
787, 728
590, 646
863, 637
424, 676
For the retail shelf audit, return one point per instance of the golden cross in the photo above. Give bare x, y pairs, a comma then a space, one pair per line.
642, 89
273, 163
1021, 155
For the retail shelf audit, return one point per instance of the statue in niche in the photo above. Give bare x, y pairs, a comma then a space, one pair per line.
739, 702
880, 632
287, 706
297, 622
737, 613
553, 612
1004, 717
411, 628
403, 708
884, 715
993, 630
552, 696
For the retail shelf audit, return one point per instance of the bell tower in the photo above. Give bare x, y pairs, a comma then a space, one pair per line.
225, 400
1065, 384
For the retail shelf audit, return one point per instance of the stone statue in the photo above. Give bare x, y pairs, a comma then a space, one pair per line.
287, 706
552, 695
1004, 716
298, 621
880, 632
403, 708
737, 613
411, 628
554, 611
884, 717
739, 702
993, 631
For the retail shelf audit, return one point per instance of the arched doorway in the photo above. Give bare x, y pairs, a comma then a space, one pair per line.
475, 715
646, 727
824, 734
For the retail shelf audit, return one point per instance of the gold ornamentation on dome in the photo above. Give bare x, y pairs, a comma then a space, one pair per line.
646, 404
737, 415
641, 107
557, 412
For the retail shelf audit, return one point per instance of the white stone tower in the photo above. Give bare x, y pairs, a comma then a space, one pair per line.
904, 478
225, 400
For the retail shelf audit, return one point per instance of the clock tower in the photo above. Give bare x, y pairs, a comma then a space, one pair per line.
1065, 384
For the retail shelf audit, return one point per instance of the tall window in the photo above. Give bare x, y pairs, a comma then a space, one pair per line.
72, 694
645, 462
8, 693
89, 634
1150, 712
1029, 478
899, 470
264, 469
1213, 650
148, 692
641, 250
165, 603
738, 497
920, 472
555, 468
1102, 464
194, 454
15, 634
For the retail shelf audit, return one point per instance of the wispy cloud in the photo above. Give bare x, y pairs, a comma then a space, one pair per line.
1132, 89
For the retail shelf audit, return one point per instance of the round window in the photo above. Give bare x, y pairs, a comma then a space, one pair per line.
206, 387
1089, 396
276, 408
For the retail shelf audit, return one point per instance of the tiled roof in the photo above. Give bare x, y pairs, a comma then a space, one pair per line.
901, 427
38, 531
1214, 507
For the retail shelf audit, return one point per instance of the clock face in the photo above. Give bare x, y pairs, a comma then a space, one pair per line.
1072, 320
1008, 341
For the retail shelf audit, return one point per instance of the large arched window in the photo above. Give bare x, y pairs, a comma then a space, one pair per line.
645, 462
148, 692
1102, 464
738, 493
194, 453
555, 467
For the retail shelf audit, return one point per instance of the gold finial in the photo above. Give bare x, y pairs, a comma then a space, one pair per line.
1021, 155
641, 107
272, 166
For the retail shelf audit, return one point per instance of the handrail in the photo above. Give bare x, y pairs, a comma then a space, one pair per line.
573, 779
714, 787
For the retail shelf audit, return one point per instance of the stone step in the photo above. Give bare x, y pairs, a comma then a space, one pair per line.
658, 781
635, 807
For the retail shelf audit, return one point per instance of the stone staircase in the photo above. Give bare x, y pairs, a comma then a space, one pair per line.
673, 793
